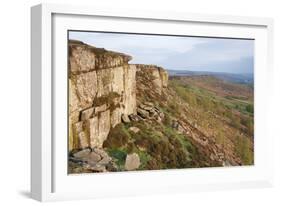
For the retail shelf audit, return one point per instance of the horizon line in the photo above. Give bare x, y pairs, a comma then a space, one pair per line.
187, 70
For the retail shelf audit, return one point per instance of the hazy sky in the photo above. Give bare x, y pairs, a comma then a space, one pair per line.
179, 53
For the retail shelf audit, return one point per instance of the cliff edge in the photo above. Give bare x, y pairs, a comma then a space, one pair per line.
102, 90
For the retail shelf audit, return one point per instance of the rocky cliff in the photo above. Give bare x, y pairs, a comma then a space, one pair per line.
102, 91
102, 88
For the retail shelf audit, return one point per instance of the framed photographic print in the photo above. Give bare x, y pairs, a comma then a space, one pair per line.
137, 102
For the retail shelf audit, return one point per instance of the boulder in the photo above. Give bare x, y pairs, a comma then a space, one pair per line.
96, 167
143, 113
146, 107
112, 167
105, 160
175, 124
226, 163
95, 160
94, 157
135, 117
101, 152
132, 162
82, 153
149, 104
134, 129
180, 129
161, 114
125, 118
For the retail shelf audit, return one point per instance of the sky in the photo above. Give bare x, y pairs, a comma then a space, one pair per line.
177, 52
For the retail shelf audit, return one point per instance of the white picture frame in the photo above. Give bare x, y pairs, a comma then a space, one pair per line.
48, 154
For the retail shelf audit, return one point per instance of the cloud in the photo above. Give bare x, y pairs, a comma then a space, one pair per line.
173, 52
136, 41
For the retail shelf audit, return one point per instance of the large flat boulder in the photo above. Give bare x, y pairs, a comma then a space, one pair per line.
132, 162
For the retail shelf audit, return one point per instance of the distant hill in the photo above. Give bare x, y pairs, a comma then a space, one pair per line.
246, 78
218, 86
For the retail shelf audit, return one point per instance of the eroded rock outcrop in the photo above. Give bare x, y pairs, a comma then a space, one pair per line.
102, 92
157, 75
102, 88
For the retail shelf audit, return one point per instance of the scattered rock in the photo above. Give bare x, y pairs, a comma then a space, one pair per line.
125, 118
147, 110
132, 161
94, 157
146, 107
180, 129
143, 113
135, 117
75, 160
212, 156
95, 160
149, 104
161, 115
226, 163
101, 152
134, 129
175, 124
97, 168
83, 153
112, 167
105, 160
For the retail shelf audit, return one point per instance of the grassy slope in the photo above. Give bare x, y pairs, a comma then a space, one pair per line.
211, 107
218, 114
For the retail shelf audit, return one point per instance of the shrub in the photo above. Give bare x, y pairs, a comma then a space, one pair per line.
249, 124
152, 164
144, 159
117, 137
105, 99
250, 108
119, 157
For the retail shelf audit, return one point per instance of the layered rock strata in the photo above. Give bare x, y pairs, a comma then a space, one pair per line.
102, 92
102, 88
153, 74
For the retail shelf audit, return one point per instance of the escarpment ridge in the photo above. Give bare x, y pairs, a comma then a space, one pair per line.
102, 89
